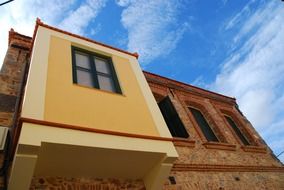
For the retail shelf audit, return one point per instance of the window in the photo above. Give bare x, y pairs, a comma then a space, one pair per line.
93, 70
172, 119
203, 125
237, 130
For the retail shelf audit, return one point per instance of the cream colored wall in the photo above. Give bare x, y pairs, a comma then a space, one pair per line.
150, 100
34, 135
34, 98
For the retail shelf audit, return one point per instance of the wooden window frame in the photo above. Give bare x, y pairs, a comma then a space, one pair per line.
243, 129
94, 73
237, 128
209, 118
199, 127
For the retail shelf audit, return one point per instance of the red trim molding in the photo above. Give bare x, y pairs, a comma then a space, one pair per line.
183, 142
258, 149
171, 83
40, 23
225, 168
222, 146
88, 129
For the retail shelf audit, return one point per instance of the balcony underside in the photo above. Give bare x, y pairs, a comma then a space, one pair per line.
78, 161
50, 151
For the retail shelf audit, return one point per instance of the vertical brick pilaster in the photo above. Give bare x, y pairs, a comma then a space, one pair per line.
11, 75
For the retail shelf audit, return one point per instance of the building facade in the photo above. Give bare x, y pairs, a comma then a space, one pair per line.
218, 147
83, 115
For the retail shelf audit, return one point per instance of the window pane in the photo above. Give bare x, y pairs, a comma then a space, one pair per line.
237, 130
172, 119
204, 126
84, 78
106, 83
102, 66
82, 60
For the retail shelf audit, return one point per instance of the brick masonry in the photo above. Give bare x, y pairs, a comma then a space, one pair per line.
10, 81
59, 183
201, 164
223, 165
226, 180
11, 75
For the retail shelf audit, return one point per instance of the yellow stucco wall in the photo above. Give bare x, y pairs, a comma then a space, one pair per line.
69, 103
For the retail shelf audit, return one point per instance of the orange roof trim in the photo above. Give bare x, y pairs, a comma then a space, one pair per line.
13, 33
191, 86
40, 23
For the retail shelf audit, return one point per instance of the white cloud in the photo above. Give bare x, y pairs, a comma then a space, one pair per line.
153, 28
239, 16
254, 71
21, 16
78, 20
96, 29
124, 3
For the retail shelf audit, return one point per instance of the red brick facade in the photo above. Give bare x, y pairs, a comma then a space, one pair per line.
11, 77
226, 164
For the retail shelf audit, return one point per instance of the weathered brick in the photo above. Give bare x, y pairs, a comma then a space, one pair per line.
6, 119
63, 183
7, 103
208, 163
226, 180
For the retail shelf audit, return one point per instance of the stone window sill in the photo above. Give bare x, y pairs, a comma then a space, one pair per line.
250, 148
184, 142
220, 146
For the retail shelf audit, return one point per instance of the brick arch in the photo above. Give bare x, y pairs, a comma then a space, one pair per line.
208, 118
240, 125
158, 97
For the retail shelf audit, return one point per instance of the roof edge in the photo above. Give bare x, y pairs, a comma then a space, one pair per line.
191, 86
40, 23
13, 33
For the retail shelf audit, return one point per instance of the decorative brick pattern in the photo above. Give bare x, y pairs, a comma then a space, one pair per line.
61, 183
192, 180
207, 165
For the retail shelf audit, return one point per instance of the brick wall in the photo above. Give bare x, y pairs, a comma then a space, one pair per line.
10, 83
11, 75
60, 183
226, 164
226, 180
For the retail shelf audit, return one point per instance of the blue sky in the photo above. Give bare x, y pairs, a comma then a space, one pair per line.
231, 47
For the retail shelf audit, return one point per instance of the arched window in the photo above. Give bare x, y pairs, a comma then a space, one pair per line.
237, 130
203, 125
172, 118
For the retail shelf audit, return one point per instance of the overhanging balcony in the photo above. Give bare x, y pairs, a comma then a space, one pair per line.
45, 150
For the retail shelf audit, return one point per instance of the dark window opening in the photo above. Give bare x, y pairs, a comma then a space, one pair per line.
172, 180
172, 119
237, 130
203, 125
93, 70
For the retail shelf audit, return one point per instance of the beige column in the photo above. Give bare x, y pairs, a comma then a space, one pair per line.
155, 179
22, 172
